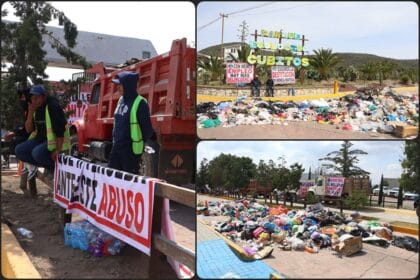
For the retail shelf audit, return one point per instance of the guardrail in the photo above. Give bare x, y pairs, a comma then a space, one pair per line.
161, 246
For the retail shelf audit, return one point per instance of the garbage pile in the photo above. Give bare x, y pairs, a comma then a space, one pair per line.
254, 227
360, 111
86, 237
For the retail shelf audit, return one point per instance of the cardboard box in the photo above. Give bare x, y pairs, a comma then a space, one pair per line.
406, 130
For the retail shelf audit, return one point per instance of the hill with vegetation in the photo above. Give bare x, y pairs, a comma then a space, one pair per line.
346, 59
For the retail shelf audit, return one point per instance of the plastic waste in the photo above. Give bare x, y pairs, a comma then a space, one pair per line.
406, 242
25, 232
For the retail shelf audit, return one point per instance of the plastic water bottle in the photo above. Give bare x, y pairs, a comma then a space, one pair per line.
25, 232
115, 247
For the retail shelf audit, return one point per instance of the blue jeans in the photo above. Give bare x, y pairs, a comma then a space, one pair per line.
35, 153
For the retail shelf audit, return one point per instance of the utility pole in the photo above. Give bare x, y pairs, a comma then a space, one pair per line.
223, 25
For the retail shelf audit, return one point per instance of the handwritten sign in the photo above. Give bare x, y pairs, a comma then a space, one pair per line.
283, 75
239, 73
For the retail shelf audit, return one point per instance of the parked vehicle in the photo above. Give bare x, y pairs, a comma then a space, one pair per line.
257, 189
411, 196
394, 192
167, 81
330, 187
385, 191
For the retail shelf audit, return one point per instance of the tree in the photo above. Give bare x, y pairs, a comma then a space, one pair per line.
369, 71
411, 167
309, 173
243, 31
22, 44
202, 173
243, 54
212, 65
295, 174
381, 190
384, 69
344, 161
323, 62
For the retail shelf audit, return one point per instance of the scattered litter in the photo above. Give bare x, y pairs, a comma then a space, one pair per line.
362, 111
258, 229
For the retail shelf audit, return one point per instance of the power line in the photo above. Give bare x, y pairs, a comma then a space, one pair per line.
236, 12
211, 22
250, 8
282, 9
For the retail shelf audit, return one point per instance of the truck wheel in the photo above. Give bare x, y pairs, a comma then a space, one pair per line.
149, 164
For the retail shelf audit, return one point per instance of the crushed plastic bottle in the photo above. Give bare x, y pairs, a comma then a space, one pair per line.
25, 232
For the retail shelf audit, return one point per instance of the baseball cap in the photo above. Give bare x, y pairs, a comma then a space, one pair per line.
37, 90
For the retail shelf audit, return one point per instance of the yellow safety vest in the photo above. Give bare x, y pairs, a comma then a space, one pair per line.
52, 141
135, 131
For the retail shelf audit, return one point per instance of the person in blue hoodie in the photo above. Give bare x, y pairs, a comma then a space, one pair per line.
132, 125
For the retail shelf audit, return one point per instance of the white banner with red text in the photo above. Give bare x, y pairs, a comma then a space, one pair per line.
117, 202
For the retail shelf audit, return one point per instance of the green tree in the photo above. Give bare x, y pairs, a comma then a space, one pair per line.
344, 161
411, 167
22, 47
211, 66
202, 173
323, 62
264, 175
384, 69
295, 173
381, 190
243, 54
369, 71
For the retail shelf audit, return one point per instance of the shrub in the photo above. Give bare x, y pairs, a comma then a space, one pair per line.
404, 80
358, 199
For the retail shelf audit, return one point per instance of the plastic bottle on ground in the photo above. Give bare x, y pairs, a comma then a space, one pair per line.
25, 232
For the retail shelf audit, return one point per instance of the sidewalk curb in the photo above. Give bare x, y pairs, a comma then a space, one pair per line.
15, 263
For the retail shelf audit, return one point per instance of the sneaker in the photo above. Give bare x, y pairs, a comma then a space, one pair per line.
32, 171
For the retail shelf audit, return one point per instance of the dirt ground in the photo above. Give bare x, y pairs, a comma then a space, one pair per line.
55, 260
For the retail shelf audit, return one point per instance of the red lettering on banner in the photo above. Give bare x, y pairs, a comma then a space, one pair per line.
120, 207
130, 214
138, 202
104, 201
112, 203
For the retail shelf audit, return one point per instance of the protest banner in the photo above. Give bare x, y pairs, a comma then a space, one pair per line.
304, 187
283, 75
239, 73
334, 186
117, 202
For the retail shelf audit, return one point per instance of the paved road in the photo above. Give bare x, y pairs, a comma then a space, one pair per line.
294, 130
371, 262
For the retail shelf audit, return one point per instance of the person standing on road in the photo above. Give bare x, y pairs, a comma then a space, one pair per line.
269, 87
255, 86
47, 124
132, 125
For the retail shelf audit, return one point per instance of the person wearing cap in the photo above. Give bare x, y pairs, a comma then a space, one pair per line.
132, 125
47, 124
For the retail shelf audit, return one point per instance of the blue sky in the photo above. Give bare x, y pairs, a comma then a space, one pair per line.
383, 156
388, 29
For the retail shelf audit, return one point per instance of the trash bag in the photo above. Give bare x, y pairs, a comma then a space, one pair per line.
406, 242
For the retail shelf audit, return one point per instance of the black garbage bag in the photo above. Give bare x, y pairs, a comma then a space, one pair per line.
406, 242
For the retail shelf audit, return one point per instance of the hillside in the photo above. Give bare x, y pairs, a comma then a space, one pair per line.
355, 59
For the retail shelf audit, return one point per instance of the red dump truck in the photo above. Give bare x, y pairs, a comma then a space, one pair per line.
256, 189
167, 81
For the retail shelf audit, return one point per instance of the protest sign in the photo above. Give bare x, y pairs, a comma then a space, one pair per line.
239, 73
283, 74
304, 187
117, 202
334, 186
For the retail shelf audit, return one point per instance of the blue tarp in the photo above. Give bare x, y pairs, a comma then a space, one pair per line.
216, 260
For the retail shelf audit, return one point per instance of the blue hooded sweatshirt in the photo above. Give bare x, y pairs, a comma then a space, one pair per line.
121, 138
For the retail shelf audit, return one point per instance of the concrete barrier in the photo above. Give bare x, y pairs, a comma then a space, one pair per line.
15, 263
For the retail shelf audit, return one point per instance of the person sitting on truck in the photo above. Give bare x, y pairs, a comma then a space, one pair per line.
47, 124
132, 125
